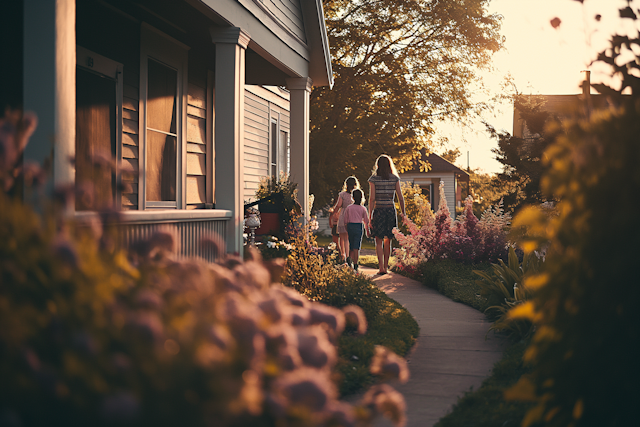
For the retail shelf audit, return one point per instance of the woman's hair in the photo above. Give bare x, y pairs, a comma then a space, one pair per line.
384, 167
358, 196
350, 184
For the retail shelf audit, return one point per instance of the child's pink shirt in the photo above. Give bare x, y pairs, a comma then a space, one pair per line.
356, 214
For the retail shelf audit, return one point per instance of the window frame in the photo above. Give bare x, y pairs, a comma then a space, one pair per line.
110, 69
157, 46
276, 144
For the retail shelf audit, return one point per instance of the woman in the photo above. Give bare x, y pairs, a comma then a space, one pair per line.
384, 184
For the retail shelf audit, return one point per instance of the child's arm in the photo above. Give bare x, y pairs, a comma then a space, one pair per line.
367, 223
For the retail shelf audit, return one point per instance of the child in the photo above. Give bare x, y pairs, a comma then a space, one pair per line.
333, 224
354, 217
344, 199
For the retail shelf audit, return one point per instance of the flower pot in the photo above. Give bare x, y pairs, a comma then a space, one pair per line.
271, 207
269, 223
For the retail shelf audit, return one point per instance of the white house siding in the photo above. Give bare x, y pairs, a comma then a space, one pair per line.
261, 106
436, 178
288, 14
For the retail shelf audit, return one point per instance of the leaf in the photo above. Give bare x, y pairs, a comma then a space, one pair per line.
523, 311
627, 12
524, 390
536, 281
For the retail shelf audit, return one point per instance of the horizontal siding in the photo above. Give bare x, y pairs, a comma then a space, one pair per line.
256, 143
288, 14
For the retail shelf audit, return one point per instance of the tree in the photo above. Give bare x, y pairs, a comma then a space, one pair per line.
521, 157
451, 155
484, 193
399, 66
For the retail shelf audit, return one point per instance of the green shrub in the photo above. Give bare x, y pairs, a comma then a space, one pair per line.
320, 279
505, 287
584, 351
415, 203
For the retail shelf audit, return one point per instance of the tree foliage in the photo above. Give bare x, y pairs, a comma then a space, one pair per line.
451, 155
521, 157
584, 351
399, 66
484, 192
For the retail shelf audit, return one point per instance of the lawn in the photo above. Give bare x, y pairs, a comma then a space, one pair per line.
326, 240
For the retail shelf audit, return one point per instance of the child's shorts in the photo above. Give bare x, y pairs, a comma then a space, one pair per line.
355, 231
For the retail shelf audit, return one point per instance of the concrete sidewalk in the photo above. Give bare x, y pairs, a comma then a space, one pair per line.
451, 354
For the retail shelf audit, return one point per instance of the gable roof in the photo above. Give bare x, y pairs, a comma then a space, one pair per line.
438, 164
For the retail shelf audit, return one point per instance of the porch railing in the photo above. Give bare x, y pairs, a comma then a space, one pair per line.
190, 226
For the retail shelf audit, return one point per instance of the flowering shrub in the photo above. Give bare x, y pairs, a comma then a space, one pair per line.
271, 247
92, 335
466, 239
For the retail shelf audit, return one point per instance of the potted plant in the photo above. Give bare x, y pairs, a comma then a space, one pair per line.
277, 196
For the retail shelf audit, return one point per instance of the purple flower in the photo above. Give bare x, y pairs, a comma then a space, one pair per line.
389, 365
384, 400
305, 387
314, 347
330, 316
355, 317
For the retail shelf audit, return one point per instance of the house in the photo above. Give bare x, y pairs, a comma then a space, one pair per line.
561, 106
195, 99
441, 170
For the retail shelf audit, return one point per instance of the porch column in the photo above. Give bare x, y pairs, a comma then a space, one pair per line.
49, 84
229, 128
300, 89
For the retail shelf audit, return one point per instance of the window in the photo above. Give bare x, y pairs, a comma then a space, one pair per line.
274, 148
162, 133
98, 128
162, 122
279, 150
284, 152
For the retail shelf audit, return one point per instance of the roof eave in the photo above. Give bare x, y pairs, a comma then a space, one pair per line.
320, 70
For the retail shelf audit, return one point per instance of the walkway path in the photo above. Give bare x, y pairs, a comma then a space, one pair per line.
451, 354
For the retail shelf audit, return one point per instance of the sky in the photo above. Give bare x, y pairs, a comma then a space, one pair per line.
540, 60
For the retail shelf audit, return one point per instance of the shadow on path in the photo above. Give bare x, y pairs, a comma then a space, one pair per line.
451, 354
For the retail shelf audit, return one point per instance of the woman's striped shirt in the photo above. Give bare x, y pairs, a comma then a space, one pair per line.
385, 190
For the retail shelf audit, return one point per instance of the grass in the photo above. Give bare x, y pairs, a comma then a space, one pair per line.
455, 280
486, 406
325, 240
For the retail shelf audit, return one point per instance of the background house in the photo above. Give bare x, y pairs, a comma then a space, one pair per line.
441, 171
191, 97
560, 106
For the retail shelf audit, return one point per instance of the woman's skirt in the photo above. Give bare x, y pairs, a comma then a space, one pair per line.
383, 221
